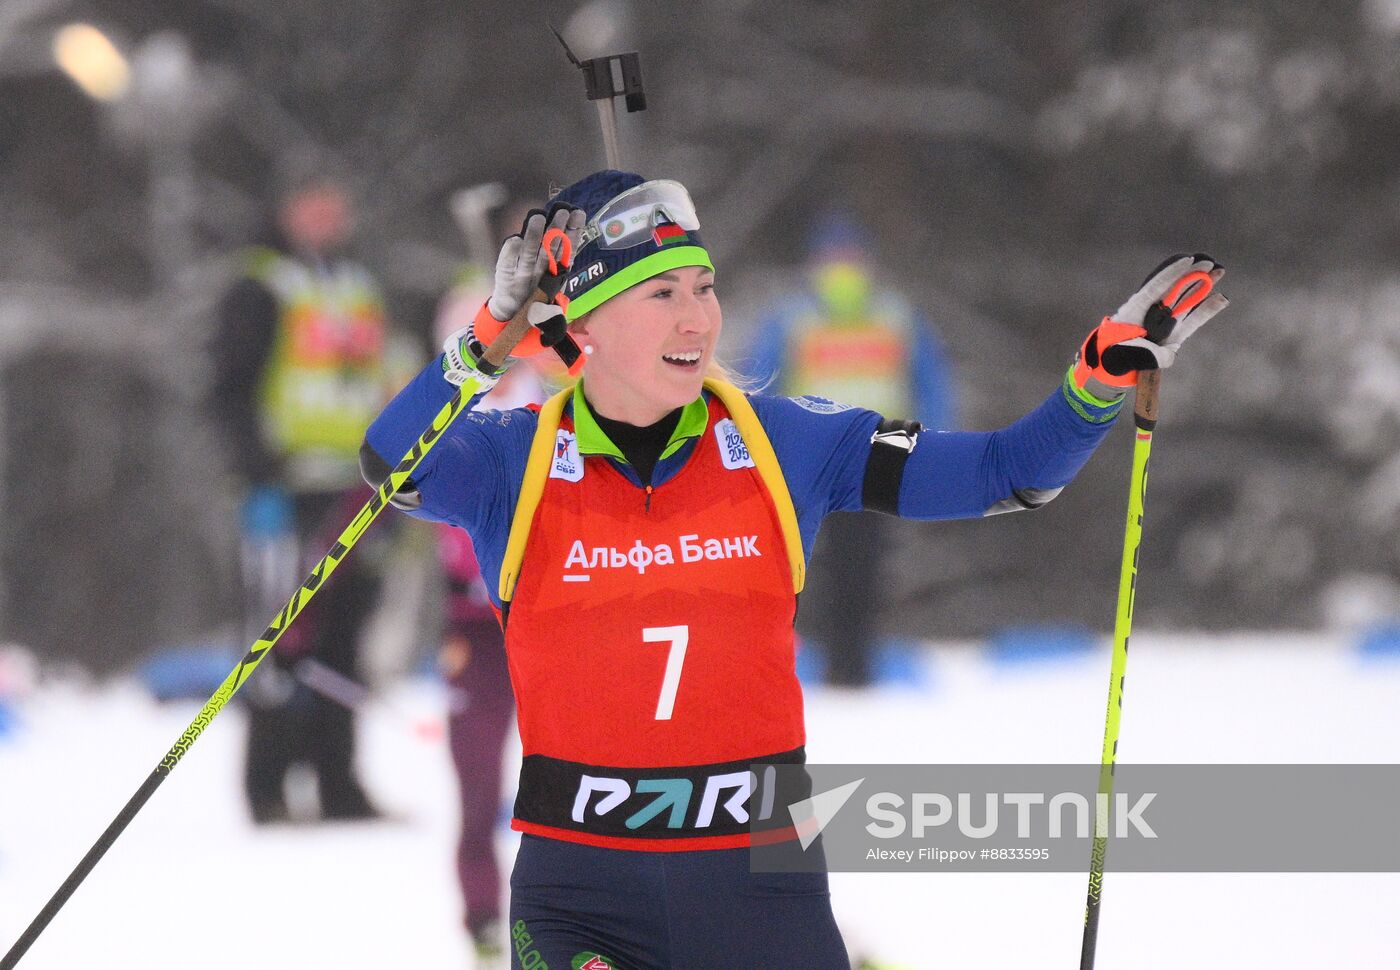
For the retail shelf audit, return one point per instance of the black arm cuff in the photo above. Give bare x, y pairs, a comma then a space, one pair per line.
374, 470
890, 446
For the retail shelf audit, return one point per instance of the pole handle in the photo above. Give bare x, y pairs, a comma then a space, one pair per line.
515, 330
1149, 385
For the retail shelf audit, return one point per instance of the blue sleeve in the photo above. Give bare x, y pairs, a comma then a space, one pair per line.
475, 481
934, 392
822, 449
471, 477
398, 426
961, 474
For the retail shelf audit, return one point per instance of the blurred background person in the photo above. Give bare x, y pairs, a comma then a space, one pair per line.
480, 702
846, 337
480, 708
299, 358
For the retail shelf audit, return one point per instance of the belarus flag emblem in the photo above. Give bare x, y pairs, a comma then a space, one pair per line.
668, 234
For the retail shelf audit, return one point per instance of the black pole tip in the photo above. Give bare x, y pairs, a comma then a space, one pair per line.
565, 44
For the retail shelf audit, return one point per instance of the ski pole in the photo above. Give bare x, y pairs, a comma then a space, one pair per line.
495, 355
1158, 324
352, 695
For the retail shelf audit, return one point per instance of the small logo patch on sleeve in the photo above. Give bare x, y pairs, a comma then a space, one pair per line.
820, 405
733, 453
568, 464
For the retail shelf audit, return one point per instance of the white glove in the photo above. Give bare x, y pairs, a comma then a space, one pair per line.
1145, 333
523, 260
1163, 346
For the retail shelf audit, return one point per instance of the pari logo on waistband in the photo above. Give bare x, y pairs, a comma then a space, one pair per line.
726, 793
733, 453
568, 463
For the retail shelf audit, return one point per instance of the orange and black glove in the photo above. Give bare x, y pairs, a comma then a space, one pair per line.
1146, 332
535, 258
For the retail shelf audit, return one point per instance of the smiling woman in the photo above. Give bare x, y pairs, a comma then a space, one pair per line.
644, 537
651, 345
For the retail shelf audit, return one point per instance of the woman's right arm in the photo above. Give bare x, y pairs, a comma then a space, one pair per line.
399, 425
470, 476
472, 445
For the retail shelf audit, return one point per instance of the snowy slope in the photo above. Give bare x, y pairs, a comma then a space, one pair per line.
193, 883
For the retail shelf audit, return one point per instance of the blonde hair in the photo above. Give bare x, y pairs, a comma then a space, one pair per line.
723, 372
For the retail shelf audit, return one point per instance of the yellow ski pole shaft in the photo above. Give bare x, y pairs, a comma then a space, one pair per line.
495, 355
1145, 420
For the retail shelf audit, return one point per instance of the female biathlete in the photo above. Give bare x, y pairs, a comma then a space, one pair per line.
644, 537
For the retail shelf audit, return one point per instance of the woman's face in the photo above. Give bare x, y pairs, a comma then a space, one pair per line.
652, 344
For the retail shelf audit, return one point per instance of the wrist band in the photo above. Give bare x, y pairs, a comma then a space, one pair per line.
465, 358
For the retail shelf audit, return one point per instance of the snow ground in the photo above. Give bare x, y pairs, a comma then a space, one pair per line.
192, 883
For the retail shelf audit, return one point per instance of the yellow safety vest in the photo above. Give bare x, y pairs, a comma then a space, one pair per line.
326, 378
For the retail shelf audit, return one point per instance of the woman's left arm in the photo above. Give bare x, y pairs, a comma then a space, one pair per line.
846, 461
840, 459
958, 475
966, 474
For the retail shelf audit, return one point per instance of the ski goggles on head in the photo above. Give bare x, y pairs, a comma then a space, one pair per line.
645, 231
637, 215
